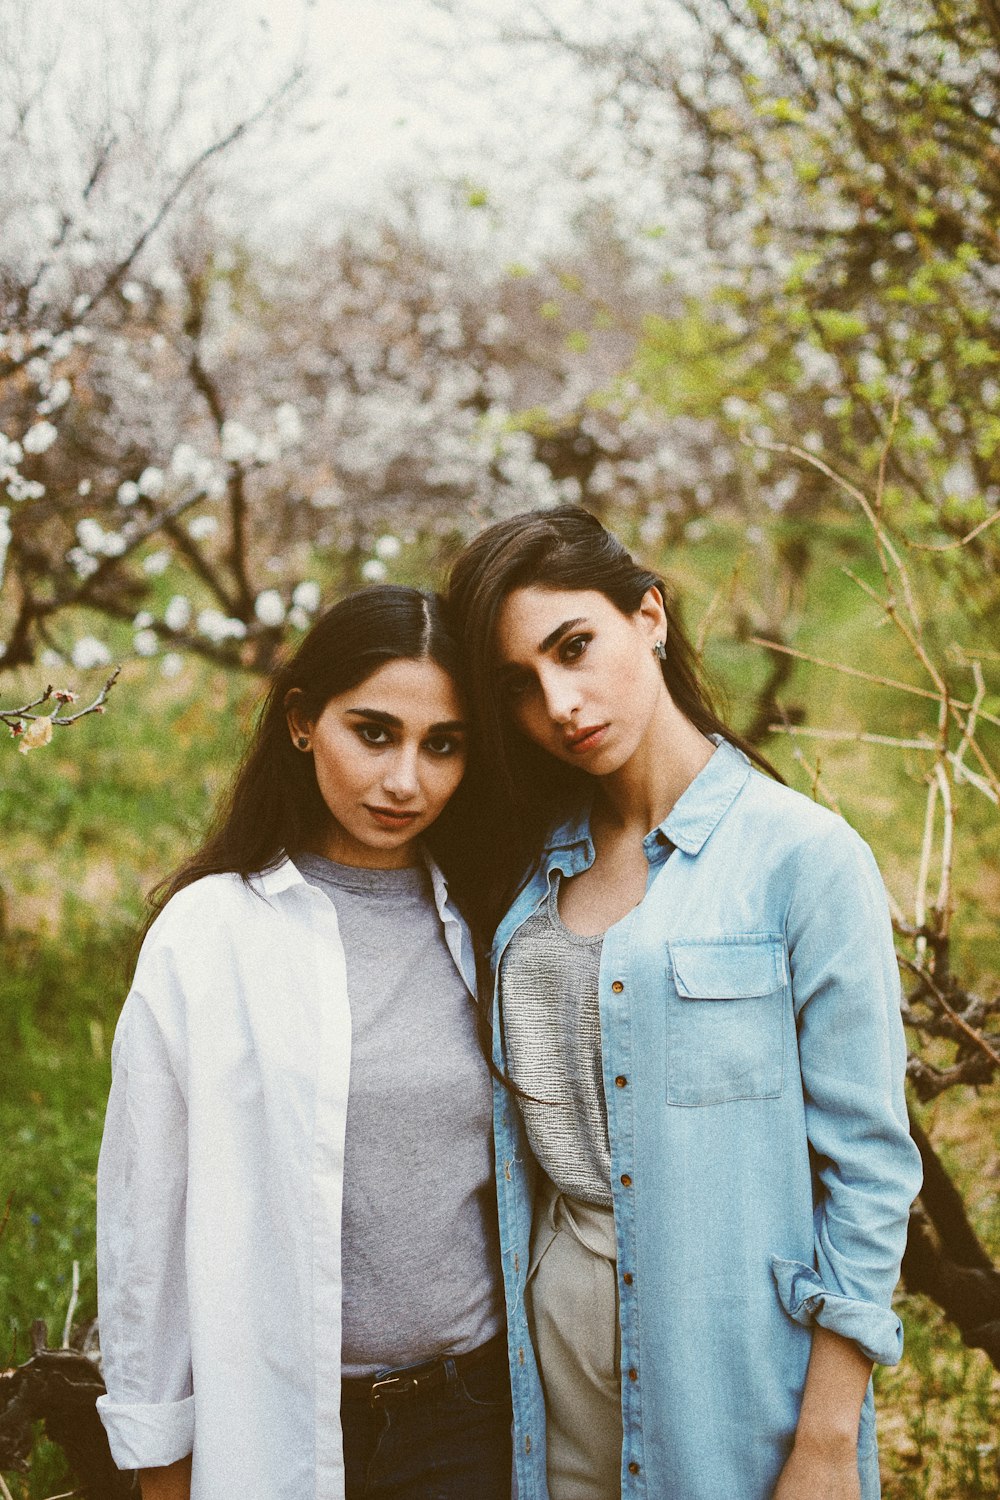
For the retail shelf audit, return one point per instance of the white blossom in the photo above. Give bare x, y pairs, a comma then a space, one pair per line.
269, 607
217, 627
39, 438
10, 452
143, 620
288, 424
90, 652
388, 548
84, 488
374, 571
239, 444
202, 526
128, 493
156, 563
151, 482
172, 664
82, 563
306, 595
113, 544
132, 291
146, 643
298, 618
177, 615
51, 659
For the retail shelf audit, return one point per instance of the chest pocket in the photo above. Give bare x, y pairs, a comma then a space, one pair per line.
725, 1026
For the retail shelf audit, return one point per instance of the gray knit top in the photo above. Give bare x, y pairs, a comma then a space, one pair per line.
552, 1030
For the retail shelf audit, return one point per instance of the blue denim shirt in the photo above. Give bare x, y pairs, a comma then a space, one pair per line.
762, 1168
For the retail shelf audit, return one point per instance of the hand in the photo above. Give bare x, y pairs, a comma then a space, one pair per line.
812, 1472
170, 1483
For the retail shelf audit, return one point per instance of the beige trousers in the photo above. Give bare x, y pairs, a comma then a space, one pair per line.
572, 1305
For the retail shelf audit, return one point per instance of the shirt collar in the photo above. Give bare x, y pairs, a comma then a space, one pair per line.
693, 817
284, 874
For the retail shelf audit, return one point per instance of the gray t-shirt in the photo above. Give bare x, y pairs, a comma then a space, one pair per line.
549, 981
421, 1261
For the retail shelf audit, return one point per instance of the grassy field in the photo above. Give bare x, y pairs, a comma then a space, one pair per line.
94, 820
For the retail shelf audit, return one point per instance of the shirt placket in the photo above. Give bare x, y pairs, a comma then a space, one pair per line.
617, 1059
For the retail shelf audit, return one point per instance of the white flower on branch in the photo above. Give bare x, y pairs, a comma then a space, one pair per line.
374, 571
388, 548
156, 563
151, 483
239, 444
39, 438
145, 643
11, 453
172, 664
143, 620
297, 618
201, 527
128, 493
83, 563
90, 534
288, 425
90, 652
219, 627
177, 615
269, 607
35, 734
306, 595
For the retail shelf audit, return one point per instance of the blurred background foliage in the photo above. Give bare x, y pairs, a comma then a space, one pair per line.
771, 362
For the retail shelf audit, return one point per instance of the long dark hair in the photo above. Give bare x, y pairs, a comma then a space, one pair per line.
274, 804
564, 548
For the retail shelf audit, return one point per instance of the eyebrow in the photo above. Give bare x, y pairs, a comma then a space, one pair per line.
448, 726
560, 630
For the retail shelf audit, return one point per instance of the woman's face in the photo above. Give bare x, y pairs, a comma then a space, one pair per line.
580, 677
388, 755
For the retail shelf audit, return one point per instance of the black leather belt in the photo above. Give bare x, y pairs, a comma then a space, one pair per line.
413, 1380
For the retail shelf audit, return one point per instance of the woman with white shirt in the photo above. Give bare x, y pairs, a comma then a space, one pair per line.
299, 1281
704, 1183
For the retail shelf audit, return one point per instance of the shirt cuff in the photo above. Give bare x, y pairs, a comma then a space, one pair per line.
876, 1330
148, 1436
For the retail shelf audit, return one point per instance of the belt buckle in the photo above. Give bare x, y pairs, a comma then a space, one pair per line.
390, 1385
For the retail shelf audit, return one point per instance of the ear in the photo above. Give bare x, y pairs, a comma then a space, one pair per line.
652, 616
299, 726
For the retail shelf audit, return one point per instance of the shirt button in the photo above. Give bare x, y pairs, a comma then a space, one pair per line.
633, 1374
633, 1467
617, 986
620, 1081
626, 1180
628, 1278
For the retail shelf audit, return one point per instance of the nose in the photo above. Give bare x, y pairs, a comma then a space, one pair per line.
400, 779
560, 695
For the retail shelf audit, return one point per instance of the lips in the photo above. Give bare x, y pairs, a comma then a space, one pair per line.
388, 817
585, 739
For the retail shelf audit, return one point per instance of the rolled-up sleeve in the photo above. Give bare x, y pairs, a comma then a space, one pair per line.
142, 1292
852, 1054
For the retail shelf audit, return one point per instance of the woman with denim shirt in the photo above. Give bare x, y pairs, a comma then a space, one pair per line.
298, 1270
704, 1167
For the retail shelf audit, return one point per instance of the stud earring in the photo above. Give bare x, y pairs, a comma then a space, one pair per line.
302, 742
659, 649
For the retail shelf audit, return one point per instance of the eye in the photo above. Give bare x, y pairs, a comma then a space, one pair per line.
516, 685
574, 647
442, 745
375, 735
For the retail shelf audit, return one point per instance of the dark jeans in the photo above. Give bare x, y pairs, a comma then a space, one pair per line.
452, 1442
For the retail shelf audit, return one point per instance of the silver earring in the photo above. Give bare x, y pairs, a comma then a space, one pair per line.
659, 649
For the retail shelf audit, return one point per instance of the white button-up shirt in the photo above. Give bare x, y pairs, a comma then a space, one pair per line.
219, 1190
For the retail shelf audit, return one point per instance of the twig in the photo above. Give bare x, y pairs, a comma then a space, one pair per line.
947, 846
889, 682
12, 716
923, 870
950, 1011
4, 1491
962, 541
74, 1295
859, 736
